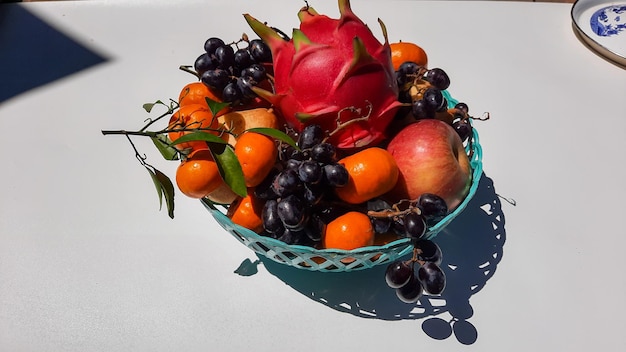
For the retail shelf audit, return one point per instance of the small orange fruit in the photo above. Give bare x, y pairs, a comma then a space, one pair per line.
406, 51
198, 175
196, 93
372, 173
190, 117
349, 231
247, 211
257, 155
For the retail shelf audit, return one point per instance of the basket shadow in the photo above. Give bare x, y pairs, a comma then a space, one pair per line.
472, 246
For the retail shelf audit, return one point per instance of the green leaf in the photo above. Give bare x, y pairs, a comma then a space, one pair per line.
149, 106
168, 192
165, 188
167, 151
274, 133
157, 185
199, 136
229, 167
215, 106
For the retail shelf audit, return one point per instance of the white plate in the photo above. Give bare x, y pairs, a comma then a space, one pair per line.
602, 25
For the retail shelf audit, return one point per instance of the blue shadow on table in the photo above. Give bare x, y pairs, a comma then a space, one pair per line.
33, 53
472, 247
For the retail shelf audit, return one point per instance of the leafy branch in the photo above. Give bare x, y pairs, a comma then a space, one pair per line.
222, 152
163, 184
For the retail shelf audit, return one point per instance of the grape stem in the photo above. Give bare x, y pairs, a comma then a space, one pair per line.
417, 87
414, 259
508, 200
188, 69
486, 116
395, 210
389, 213
342, 125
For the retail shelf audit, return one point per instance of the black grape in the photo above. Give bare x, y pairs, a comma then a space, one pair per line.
398, 274
432, 278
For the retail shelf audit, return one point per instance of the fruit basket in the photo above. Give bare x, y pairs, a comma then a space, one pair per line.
326, 151
335, 260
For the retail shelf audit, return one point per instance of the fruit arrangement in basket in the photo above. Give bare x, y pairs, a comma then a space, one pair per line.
326, 149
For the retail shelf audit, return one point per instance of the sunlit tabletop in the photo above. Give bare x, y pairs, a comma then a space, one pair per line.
88, 262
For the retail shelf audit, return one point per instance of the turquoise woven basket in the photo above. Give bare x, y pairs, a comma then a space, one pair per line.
334, 260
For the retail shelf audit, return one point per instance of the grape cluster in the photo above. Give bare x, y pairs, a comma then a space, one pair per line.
421, 88
233, 71
411, 222
297, 184
461, 122
410, 284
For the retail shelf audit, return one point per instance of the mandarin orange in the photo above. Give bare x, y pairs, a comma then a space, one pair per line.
349, 231
197, 93
190, 117
257, 155
247, 212
372, 173
407, 51
198, 175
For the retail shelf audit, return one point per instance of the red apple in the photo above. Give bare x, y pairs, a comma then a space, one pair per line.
431, 159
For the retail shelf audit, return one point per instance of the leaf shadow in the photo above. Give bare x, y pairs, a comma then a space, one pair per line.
472, 247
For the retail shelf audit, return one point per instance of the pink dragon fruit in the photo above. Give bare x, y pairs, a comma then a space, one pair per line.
333, 72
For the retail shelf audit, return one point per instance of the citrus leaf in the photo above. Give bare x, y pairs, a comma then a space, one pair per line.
148, 106
215, 106
165, 188
229, 167
157, 185
274, 133
168, 191
167, 151
199, 136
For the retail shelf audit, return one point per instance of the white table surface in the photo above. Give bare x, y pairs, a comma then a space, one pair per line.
89, 263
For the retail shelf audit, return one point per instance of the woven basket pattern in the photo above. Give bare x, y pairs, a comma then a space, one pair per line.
333, 260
